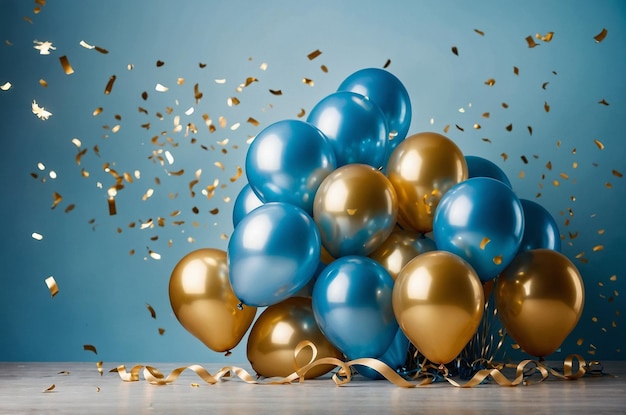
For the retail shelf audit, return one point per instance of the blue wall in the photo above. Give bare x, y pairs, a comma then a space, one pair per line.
103, 289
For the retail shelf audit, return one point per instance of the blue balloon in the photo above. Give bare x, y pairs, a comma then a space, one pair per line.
482, 221
352, 306
287, 161
354, 125
245, 203
540, 228
481, 167
273, 253
395, 357
388, 92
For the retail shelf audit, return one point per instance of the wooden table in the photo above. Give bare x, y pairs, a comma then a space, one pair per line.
79, 388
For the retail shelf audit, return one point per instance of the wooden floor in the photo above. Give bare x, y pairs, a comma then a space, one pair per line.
79, 388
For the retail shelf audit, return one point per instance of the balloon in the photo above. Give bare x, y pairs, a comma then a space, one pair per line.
540, 298
355, 127
245, 203
272, 254
355, 210
277, 332
540, 228
203, 300
480, 220
395, 357
352, 306
386, 91
422, 168
438, 301
401, 247
287, 161
481, 167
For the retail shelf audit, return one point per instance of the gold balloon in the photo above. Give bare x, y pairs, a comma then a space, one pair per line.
401, 247
355, 209
277, 332
540, 298
204, 302
438, 301
422, 168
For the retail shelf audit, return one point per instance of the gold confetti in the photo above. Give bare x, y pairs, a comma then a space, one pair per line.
490, 82
40, 112
546, 107
161, 88
509, 127
52, 286
531, 42
233, 101
65, 63
580, 341
505, 105
151, 310
477, 126
308, 81
37, 236
276, 91
497, 259
516, 70
485, 115
69, 208
90, 348
43, 83
159, 63
324, 68
504, 156
154, 255
484, 243
598, 248
613, 277
101, 50
548, 36
99, 367
564, 176
301, 113
600, 36
161, 331
314, 54
86, 45
480, 32
109, 86
455, 50
112, 207
50, 388
386, 65
617, 173
486, 140
598, 143
603, 102
6, 86
195, 385
237, 175
56, 199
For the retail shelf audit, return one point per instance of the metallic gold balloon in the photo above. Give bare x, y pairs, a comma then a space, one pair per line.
401, 247
540, 298
277, 332
203, 300
422, 168
438, 301
355, 209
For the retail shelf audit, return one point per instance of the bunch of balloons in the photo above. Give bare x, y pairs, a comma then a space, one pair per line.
361, 239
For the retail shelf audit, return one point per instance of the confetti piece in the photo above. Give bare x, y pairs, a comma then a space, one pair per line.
530, 130
455, 50
195, 385
44, 48
40, 112
314, 54
159, 63
237, 175
276, 92
386, 65
161, 88
69, 208
232, 101
324, 68
99, 367
546, 107
603, 102
151, 310
484, 243
56, 199
52, 286
516, 70
161, 331
531, 42
480, 32
509, 127
600, 36
90, 348
598, 143
86, 45
6, 86
548, 36
65, 63
617, 173
497, 259
50, 388
490, 82
154, 255
109, 86
598, 248
112, 207
37, 236
308, 81
580, 341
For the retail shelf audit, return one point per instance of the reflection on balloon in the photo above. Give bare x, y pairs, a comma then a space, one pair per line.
277, 332
540, 297
540, 228
401, 247
272, 254
203, 300
355, 210
438, 301
352, 306
355, 127
287, 161
245, 203
481, 167
386, 91
480, 220
422, 169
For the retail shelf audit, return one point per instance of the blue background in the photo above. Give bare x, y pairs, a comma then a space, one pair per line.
104, 290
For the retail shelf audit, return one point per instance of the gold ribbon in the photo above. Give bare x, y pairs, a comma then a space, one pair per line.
524, 370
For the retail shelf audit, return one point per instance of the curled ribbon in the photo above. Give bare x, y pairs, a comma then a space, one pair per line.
523, 371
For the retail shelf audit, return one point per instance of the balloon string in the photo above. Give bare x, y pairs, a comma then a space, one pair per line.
574, 367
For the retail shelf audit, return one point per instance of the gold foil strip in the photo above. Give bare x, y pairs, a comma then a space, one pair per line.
151, 310
276, 92
109, 86
99, 367
50, 388
90, 348
480, 32
600, 36
314, 54
531, 42
598, 143
65, 63
52, 286
56, 199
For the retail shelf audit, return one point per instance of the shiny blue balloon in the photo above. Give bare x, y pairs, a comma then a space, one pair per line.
273, 253
388, 92
482, 221
395, 357
481, 167
354, 125
352, 306
540, 228
287, 161
245, 203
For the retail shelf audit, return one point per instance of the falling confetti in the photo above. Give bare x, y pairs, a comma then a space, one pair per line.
6, 86
603, 102
52, 286
386, 65
40, 112
598, 143
276, 92
151, 310
531, 42
65, 64
44, 48
455, 50
108, 88
37, 236
314, 54
90, 348
480, 32
600, 36
50, 388
545, 38
490, 82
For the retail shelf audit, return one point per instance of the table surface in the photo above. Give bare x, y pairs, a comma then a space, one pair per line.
80, 388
